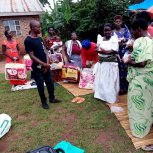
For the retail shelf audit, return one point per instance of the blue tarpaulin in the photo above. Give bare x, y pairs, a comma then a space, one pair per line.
143, 5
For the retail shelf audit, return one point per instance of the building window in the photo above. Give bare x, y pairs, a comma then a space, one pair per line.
13, 26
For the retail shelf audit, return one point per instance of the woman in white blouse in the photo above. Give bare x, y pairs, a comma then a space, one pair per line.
106, 71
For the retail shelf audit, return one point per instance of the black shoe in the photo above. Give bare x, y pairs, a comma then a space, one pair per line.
55, 101
45, 106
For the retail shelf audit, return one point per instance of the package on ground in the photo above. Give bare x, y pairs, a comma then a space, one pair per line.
70, 73
56, 61
28, 85
27, 61
86, 78
5, 124
15, 71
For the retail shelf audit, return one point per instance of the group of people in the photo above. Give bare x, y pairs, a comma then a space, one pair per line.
77, 53
137, 56
119, 64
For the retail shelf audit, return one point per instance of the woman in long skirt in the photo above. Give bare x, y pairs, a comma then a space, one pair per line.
106, 70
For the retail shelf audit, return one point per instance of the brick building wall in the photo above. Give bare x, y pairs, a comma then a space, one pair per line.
24, 24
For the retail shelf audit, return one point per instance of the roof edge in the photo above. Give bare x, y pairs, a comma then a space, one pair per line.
21, 13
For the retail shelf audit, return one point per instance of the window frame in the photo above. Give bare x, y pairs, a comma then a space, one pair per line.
13, 27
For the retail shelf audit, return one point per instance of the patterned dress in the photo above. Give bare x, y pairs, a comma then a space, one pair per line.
123, 33
140, 92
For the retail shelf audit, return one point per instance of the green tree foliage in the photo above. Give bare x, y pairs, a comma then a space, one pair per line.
59, 18
86, 17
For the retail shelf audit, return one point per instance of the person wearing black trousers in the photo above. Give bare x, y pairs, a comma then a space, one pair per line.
41, 69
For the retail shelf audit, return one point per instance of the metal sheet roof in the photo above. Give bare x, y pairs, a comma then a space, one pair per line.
20, 7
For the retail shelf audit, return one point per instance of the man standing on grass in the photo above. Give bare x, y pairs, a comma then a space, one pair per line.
41, 69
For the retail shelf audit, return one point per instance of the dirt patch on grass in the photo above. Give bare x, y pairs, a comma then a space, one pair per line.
12, 136
61, 110
21, 117
67, 136
34, 124
69, 121
81, 108
105, 138
15, 137
7, 140
4, 145
70, 118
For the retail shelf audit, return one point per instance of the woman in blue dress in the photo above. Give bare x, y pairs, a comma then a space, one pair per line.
123, 34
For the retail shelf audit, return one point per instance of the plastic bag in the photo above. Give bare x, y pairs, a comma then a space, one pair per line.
86, 78
116, 109
28, 62
5, 124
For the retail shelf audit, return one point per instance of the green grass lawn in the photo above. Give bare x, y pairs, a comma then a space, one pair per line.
89, 125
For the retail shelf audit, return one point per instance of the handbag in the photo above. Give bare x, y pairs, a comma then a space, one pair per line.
46, 149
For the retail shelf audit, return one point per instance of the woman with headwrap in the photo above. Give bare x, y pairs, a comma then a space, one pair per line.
88, 53
123, 34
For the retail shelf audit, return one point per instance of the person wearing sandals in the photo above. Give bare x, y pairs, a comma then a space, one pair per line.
106, 84
140, 77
